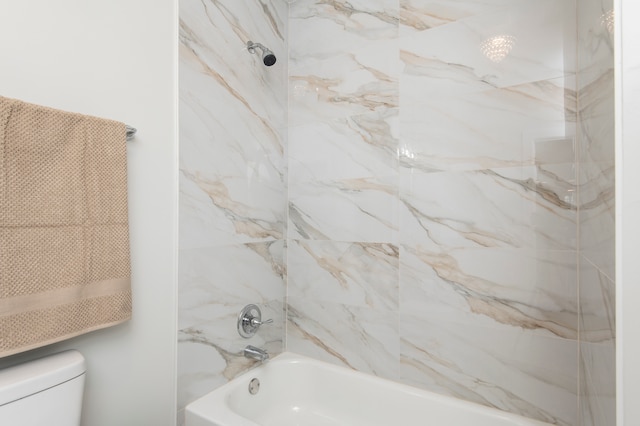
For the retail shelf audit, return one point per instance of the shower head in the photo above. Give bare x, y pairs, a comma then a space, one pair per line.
268, 58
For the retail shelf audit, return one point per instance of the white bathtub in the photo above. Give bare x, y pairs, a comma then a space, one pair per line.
299, 391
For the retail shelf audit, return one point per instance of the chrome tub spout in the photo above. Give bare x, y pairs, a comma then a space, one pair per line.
258, 354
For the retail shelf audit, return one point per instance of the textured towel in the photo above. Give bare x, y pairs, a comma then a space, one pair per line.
64, 234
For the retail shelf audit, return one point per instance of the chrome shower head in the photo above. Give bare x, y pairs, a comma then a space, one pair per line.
268, 58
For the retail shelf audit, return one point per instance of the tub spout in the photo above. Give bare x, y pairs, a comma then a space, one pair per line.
258, 354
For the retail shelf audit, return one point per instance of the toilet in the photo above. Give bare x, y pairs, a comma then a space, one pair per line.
47, 391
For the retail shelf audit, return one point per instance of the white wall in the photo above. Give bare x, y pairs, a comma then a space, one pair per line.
628, 211
115, 59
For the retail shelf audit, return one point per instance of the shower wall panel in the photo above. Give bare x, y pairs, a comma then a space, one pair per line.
233, 118
432, 196
596, 211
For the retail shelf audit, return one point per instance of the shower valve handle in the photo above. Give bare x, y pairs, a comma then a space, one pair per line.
257, 323
250, 320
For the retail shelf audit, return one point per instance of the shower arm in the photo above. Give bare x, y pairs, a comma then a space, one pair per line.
251, 47
268, 58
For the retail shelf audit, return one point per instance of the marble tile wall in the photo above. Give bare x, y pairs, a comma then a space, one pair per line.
596, 211
432, 196
419, 197
233, 129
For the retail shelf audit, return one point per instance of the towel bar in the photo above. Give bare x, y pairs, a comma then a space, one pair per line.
131, 132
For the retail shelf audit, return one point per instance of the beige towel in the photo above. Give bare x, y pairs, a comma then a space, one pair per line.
64, 234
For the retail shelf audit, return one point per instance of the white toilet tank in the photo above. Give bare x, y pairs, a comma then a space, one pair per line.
44, 392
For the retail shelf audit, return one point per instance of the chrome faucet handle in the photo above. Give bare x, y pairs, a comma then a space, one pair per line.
250, 320
257, 323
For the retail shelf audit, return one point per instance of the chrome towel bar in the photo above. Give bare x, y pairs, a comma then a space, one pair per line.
131, 132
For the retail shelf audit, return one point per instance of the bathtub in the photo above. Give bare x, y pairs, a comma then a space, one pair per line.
299, 391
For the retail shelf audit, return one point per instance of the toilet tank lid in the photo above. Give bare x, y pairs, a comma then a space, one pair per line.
34, 376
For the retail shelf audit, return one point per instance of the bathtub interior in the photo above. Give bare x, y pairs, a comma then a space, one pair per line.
295, 390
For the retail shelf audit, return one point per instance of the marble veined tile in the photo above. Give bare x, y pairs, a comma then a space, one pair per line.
597, 111
350, 148
469, 129
422, 15
597, 304
233, 155
527, 290
233, 124
221, 210
355, 274
597, 171
597, 215
218, 135
527, 29
597, 134
598, 383
359, 338
343, 24
595, 37
517, 207
213, 38
210, 353
431, 75
364, 209
215, 284
352, 82
200, 370
220, 332
531, 375
237, 18
221, 280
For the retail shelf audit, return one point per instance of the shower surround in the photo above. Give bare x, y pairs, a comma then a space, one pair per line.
420, 200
